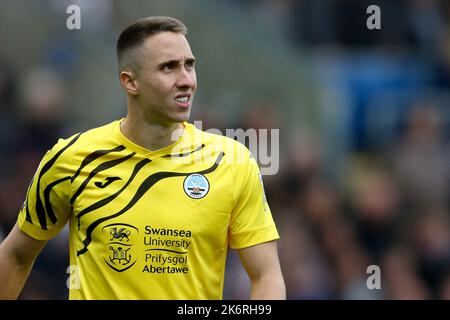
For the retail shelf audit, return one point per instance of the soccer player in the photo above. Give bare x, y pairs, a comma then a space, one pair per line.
152, 202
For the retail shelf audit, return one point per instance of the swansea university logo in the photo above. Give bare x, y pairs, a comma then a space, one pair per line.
120, 239
196, 186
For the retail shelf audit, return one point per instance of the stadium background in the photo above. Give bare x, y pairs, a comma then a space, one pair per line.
364, 120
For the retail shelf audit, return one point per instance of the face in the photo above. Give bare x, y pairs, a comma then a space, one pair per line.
166, 80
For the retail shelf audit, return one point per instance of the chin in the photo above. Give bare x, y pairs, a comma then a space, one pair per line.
181, 117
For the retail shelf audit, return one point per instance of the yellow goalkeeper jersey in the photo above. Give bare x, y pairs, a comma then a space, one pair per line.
148, 224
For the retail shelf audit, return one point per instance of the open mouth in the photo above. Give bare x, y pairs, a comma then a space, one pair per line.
183, 100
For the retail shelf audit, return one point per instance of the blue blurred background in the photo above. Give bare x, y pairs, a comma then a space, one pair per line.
364, 119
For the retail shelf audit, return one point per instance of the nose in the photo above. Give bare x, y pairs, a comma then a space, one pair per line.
186, 79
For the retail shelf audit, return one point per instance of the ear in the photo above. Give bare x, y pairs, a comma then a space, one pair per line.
129, 83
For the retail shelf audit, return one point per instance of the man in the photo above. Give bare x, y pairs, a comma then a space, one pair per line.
153, 203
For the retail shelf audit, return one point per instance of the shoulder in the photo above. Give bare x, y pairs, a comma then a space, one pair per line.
65, 149
84, 138
91, 136
234, 151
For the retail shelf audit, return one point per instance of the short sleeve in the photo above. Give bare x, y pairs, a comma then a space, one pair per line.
251, 219
46, 208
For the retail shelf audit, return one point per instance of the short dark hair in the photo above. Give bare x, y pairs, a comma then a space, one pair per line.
136, 33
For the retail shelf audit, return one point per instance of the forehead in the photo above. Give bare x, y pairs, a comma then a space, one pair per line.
166, 46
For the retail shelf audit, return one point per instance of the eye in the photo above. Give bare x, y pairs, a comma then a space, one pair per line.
189, 65
167, 67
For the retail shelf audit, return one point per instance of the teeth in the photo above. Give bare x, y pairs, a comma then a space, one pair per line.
182, 99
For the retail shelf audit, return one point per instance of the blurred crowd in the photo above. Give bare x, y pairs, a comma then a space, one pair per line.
388, 208
386, 202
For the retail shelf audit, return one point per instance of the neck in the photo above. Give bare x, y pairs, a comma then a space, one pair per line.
151, 136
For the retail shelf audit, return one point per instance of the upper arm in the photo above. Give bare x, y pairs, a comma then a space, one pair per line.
21, 248
17, 255
261, 260
46, 208
251, 220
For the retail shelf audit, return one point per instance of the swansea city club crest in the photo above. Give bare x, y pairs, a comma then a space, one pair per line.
196, 186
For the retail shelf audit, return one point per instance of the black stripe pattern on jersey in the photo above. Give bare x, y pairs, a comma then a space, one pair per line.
185, 154
48, 205
94, 155
27, 211
46, 210
101, 167
40, 211
107, 200
143, 188
28, 215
